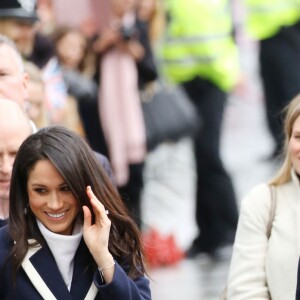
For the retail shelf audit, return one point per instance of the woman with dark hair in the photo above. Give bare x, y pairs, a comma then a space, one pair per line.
69, 234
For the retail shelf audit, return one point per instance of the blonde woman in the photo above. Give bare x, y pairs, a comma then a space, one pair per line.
262, 267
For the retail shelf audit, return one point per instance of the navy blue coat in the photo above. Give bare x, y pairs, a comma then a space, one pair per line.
39, 278
106, 166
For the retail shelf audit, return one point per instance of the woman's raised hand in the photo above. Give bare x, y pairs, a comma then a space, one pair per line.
96, 236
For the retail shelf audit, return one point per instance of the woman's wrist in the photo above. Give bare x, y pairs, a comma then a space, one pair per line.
103, 259
106, 270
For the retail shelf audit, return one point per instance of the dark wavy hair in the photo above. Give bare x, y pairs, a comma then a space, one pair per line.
77, 164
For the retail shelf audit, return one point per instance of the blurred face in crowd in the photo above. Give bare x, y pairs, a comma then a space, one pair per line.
14, 129
13, 80
21, 32
35, 107
294, 146
70, 49
146, 9
120, 7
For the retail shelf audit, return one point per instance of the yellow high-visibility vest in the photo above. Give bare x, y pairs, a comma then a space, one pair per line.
265, 18
198, 42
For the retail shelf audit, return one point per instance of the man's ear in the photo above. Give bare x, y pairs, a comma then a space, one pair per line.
25, 81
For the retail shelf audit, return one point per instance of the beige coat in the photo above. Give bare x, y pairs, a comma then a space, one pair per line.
259, 265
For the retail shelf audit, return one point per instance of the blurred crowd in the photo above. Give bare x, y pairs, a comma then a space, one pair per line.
89, 61
69, 54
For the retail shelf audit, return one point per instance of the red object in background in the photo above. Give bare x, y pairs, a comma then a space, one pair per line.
161, 250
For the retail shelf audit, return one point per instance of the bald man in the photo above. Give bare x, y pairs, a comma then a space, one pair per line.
14, 129
13, 79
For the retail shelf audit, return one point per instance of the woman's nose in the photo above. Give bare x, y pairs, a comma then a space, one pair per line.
55, 202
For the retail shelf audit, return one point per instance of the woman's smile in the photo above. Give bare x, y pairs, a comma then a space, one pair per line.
50, 198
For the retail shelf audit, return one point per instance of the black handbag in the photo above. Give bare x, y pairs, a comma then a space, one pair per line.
169, 114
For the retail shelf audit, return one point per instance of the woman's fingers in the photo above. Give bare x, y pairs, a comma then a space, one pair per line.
98, 207
96, 234
87, 217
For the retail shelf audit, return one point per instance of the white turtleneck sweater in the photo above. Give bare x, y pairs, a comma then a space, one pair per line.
63, 248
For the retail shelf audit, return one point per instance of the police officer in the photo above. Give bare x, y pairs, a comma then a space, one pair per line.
275, 25
199, 53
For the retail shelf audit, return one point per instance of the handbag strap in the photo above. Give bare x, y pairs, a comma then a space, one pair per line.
272, 209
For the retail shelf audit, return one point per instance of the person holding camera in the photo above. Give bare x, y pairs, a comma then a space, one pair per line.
126, 65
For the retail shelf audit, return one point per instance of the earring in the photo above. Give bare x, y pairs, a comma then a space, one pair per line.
26, 209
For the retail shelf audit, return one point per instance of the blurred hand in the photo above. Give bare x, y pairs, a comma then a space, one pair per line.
134, 48
241, 88
109, 37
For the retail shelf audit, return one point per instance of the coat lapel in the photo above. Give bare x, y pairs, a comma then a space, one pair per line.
35, 277
83, 286
40, 262
41, 268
